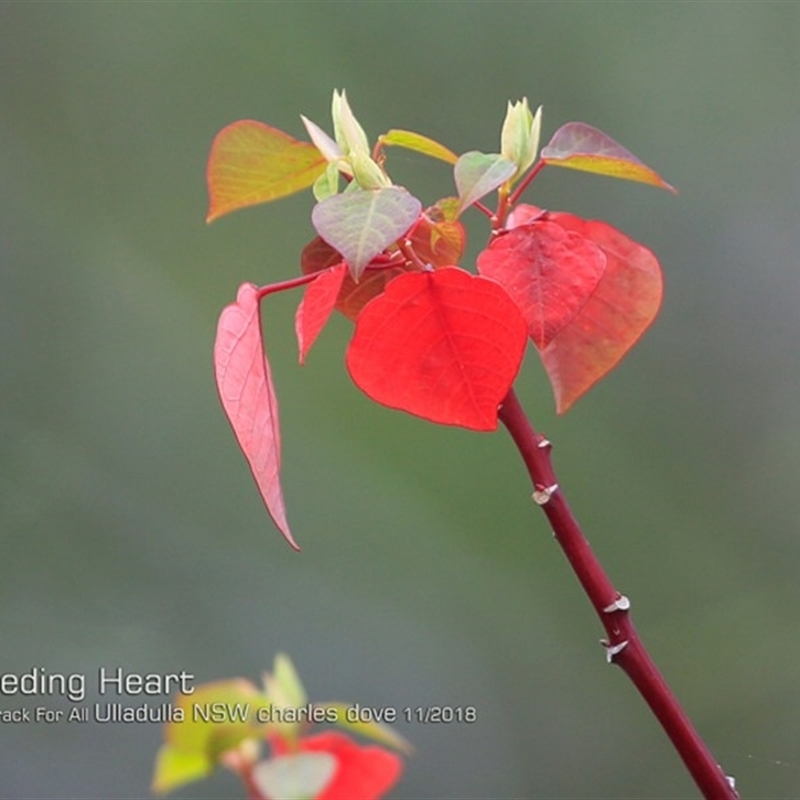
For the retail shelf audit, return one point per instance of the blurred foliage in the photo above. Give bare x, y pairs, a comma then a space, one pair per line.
131, 533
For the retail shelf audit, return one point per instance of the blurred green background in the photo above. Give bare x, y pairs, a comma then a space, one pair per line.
130, 529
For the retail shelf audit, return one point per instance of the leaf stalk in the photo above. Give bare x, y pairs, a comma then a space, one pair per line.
524, 183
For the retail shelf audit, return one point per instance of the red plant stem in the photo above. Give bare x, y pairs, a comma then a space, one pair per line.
381, 261
412, 259
483, 209
623, 646
292, 283
525, 182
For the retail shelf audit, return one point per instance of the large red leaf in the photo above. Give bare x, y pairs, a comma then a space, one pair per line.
251, 162
245, 388
316, 306
443, 345
549, 272
624, 304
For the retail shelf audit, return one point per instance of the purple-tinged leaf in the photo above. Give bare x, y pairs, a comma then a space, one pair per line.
362, 223
548, 271
580, 146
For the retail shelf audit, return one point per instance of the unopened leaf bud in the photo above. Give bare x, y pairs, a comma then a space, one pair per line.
349, 134
367, 173
519, 138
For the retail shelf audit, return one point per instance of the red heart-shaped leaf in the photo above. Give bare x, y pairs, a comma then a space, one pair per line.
443, 345
549, 272
622, 307
365, 772
244, 382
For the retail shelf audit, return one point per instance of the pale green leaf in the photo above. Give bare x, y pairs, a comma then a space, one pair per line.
377, 731
175, 768
284, 687
477, 174
419, 143
360, 224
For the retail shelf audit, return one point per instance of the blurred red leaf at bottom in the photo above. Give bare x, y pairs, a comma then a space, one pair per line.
361, 773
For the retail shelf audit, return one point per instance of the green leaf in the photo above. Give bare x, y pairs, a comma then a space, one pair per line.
327, 184
216, 718
350, 136
419, 143
362, 223
195, 734
477, 174
367, 173
174, 769
252, 163
577, 145
284, 687
377, 731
